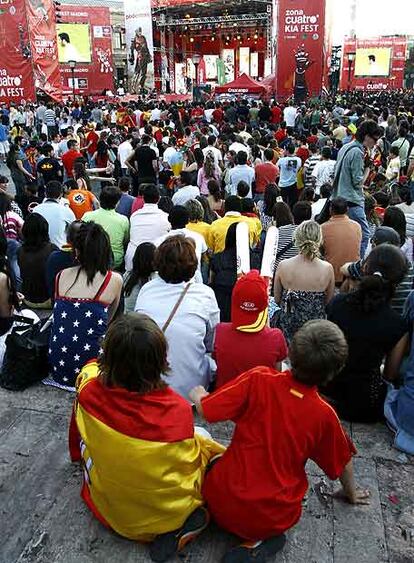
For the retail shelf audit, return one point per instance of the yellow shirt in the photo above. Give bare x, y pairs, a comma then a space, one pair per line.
219, 229
201, 228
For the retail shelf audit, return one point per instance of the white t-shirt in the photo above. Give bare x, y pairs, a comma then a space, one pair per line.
323, 173
289, 116
200, 246
124, 150
168, 154
218, 157
190, 334
185, 194
237, 147
393, 169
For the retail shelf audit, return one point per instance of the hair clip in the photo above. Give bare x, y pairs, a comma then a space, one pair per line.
378, 274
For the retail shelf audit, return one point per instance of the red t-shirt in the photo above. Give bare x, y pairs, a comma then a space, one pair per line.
303, 153
280, 135
266, 173
68, 159
236, 352
276, 114
312, 140
138, 203
94, 137
218, 115
280, 424
197, 113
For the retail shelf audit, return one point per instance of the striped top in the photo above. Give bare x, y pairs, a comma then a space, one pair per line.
50, 117
285, 238
12, 224
308, 168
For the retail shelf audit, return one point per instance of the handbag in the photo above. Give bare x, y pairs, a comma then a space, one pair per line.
26, 357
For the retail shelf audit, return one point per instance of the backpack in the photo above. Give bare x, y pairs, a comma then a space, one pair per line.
385, 151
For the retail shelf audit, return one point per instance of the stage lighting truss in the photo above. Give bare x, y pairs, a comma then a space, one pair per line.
162, 21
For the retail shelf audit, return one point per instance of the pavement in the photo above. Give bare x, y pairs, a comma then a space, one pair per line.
43, 519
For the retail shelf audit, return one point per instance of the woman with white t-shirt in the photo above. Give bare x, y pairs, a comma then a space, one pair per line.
186, 311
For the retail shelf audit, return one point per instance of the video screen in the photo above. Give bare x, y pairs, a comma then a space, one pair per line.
373, 62
73, 42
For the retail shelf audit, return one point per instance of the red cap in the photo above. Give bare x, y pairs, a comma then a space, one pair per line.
249, 303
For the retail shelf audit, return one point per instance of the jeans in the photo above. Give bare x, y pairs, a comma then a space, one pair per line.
290, 194
12, 248
357, 214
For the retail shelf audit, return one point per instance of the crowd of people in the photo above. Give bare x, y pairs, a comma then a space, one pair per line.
124, 225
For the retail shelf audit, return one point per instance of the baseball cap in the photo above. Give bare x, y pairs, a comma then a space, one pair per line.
386, 235
249, 303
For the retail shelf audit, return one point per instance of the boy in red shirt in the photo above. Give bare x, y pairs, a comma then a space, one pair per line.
255, 490
247, 341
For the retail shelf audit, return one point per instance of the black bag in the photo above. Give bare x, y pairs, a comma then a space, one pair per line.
26, 357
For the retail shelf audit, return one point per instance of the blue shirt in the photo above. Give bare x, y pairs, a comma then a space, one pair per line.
125, 205
3, 133
289, 167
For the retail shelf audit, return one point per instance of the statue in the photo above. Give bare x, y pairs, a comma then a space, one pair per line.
140, 54
302, 65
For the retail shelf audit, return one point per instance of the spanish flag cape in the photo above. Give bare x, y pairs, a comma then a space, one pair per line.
143, 464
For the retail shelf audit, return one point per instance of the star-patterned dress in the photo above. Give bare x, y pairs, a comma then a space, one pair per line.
78, 328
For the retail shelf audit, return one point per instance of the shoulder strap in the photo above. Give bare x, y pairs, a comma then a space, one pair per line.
287, 247
175, 308
57, 280
104, 285
338, 172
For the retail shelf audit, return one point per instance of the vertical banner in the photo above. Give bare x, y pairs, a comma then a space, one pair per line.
180, 78
300, 48
138, 26
244, 60
228, 60
42, 34
221, 77
85, 36
211, 66
16, 72
254, 65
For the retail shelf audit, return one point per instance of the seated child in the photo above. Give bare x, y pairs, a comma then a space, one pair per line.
281, 422
247, 341
143, 464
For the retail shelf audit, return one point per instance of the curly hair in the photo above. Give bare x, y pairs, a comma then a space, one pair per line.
308, 239
176, 260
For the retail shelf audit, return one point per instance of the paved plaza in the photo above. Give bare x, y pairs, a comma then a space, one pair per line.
43, 520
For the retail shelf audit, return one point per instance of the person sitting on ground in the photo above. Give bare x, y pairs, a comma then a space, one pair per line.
395, 218
262, 474
338, 229
223, 272
178, 219
58, 217
62, 258
86, 299
317, 206
153, 491
12, 222
9, 298
247, 341
233, 208
196, 221
32, 258
115, 225
287, 223
214, 197
126, 201
305, 284
382, 202
189, 326
143, 270
374, 332
186, 191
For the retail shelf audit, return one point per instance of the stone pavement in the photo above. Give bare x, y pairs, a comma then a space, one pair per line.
43, 520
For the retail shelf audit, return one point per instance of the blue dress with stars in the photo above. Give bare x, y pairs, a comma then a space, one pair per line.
77, 331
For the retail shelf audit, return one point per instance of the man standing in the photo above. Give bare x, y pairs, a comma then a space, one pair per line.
266, 173
143, 164
241, 173
50, 121
349, 175
341, 238
289, 166
289, 115
48, 167
70, 156
124, 151
324, 170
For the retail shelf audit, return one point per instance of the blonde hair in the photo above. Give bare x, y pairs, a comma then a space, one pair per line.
308, 239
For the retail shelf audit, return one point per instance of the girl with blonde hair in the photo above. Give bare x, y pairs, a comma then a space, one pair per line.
303, 284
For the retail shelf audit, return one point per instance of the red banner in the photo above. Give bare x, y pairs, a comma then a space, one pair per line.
300, 48
93, 73
42, 35
16, 73
374, 64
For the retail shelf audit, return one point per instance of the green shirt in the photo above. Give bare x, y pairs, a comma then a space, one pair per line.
117, 228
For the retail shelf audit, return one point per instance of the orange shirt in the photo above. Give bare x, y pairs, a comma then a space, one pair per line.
280, 424
80, 201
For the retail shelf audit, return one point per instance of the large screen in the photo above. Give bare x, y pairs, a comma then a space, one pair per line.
73, 42
373, 62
